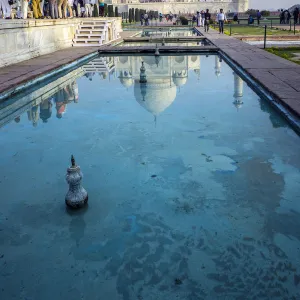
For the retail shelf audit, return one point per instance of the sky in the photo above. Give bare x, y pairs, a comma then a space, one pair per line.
261, 4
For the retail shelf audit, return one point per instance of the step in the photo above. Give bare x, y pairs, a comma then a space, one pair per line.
91, 27
90, 31
88, 35
88, 40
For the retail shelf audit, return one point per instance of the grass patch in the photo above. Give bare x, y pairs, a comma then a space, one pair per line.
288, 53
254, 30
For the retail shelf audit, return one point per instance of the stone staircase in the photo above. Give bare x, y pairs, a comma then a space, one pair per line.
100, 64
95, 32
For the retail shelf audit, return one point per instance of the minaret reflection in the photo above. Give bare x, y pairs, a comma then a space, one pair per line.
238, 91
218, 61
33, 115
64, 96
46, 110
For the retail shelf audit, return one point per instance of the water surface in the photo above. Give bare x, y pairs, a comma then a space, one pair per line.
193, 185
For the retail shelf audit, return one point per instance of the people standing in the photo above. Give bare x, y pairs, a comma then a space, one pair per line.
281, 17
19, 4
41, 6
207, 20
221, 18
194, 19
92, 2
70, 4
202, 18
75, 8
101, 8
296, 15
59, 8
87, 6
258, 16
6, 9
24, 9
146, 19
198, 19
96, 9
142, 19
287, 17
53, 9
36, 9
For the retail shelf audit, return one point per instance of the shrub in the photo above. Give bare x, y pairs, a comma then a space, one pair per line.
265, 13
184, 21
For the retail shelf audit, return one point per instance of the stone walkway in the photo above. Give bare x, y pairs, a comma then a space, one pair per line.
279, 76
29, 70
26, 71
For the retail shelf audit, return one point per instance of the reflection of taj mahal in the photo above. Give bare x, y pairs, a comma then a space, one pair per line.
182, 6
164, 75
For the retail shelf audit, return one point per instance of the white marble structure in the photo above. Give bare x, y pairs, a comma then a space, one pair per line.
182, 6
24, 39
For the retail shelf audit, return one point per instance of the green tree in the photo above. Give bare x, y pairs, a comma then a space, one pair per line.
136, 15
105, 10
265, 13
130, 16
252, 12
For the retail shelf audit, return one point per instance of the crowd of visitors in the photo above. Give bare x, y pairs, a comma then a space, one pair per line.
202, 18
55, 9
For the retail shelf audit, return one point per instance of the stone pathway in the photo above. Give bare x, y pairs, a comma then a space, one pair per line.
18, 74
29, 70
277, 75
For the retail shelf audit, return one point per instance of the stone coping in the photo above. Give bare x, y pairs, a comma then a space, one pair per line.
278, 76
176, 39
162, 49
19, 23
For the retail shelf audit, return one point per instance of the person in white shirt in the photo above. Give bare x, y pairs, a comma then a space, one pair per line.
221, 18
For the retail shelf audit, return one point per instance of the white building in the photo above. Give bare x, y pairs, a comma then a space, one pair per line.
182, 6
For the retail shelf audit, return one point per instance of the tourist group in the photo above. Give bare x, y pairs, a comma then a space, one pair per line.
55, 9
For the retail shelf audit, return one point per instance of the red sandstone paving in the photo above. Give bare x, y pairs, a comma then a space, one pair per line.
22, 72
25, 71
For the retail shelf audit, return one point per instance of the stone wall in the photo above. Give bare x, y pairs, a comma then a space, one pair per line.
24, 39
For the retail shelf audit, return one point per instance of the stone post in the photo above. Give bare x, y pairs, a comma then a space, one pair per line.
77, 196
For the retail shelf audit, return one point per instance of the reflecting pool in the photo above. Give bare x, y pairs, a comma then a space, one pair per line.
167, 32
193, 185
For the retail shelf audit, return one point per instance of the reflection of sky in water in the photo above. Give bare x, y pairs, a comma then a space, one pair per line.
163, 32
222, 213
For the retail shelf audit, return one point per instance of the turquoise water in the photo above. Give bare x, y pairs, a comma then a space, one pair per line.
167, 32
134, 44
193, 185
